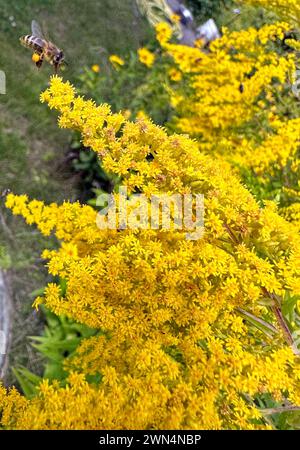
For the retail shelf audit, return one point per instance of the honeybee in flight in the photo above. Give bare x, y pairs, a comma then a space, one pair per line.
43, 48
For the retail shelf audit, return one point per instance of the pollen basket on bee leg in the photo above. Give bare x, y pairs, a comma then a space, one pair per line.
35, 57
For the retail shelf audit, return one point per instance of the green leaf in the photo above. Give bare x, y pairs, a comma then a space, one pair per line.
27, 380
37, 292
288, 306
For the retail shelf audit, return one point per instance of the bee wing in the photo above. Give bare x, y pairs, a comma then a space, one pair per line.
36, 30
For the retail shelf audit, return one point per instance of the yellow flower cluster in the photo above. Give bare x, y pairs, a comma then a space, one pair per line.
95, 68
146, 57
234, 101
173, 350
155, 396
116, 61
175, 18
289, 9
227, 84
292, 212
276, 152
175, 74
163, 32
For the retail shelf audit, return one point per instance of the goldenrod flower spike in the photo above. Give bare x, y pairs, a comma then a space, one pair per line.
175, 352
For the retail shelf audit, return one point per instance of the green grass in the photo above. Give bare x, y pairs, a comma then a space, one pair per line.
31, 145
83, 30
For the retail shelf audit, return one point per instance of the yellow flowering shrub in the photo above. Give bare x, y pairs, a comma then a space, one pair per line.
289, 9
175, 349
237, 101
232, 87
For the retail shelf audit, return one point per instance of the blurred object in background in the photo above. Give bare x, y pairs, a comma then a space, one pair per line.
186, 17
185, 30
164, 11
2, 82
188, 37
208, 32
157, 11
5, 324
186, 22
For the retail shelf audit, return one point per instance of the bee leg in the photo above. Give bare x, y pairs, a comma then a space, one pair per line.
55, 68
39, 62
